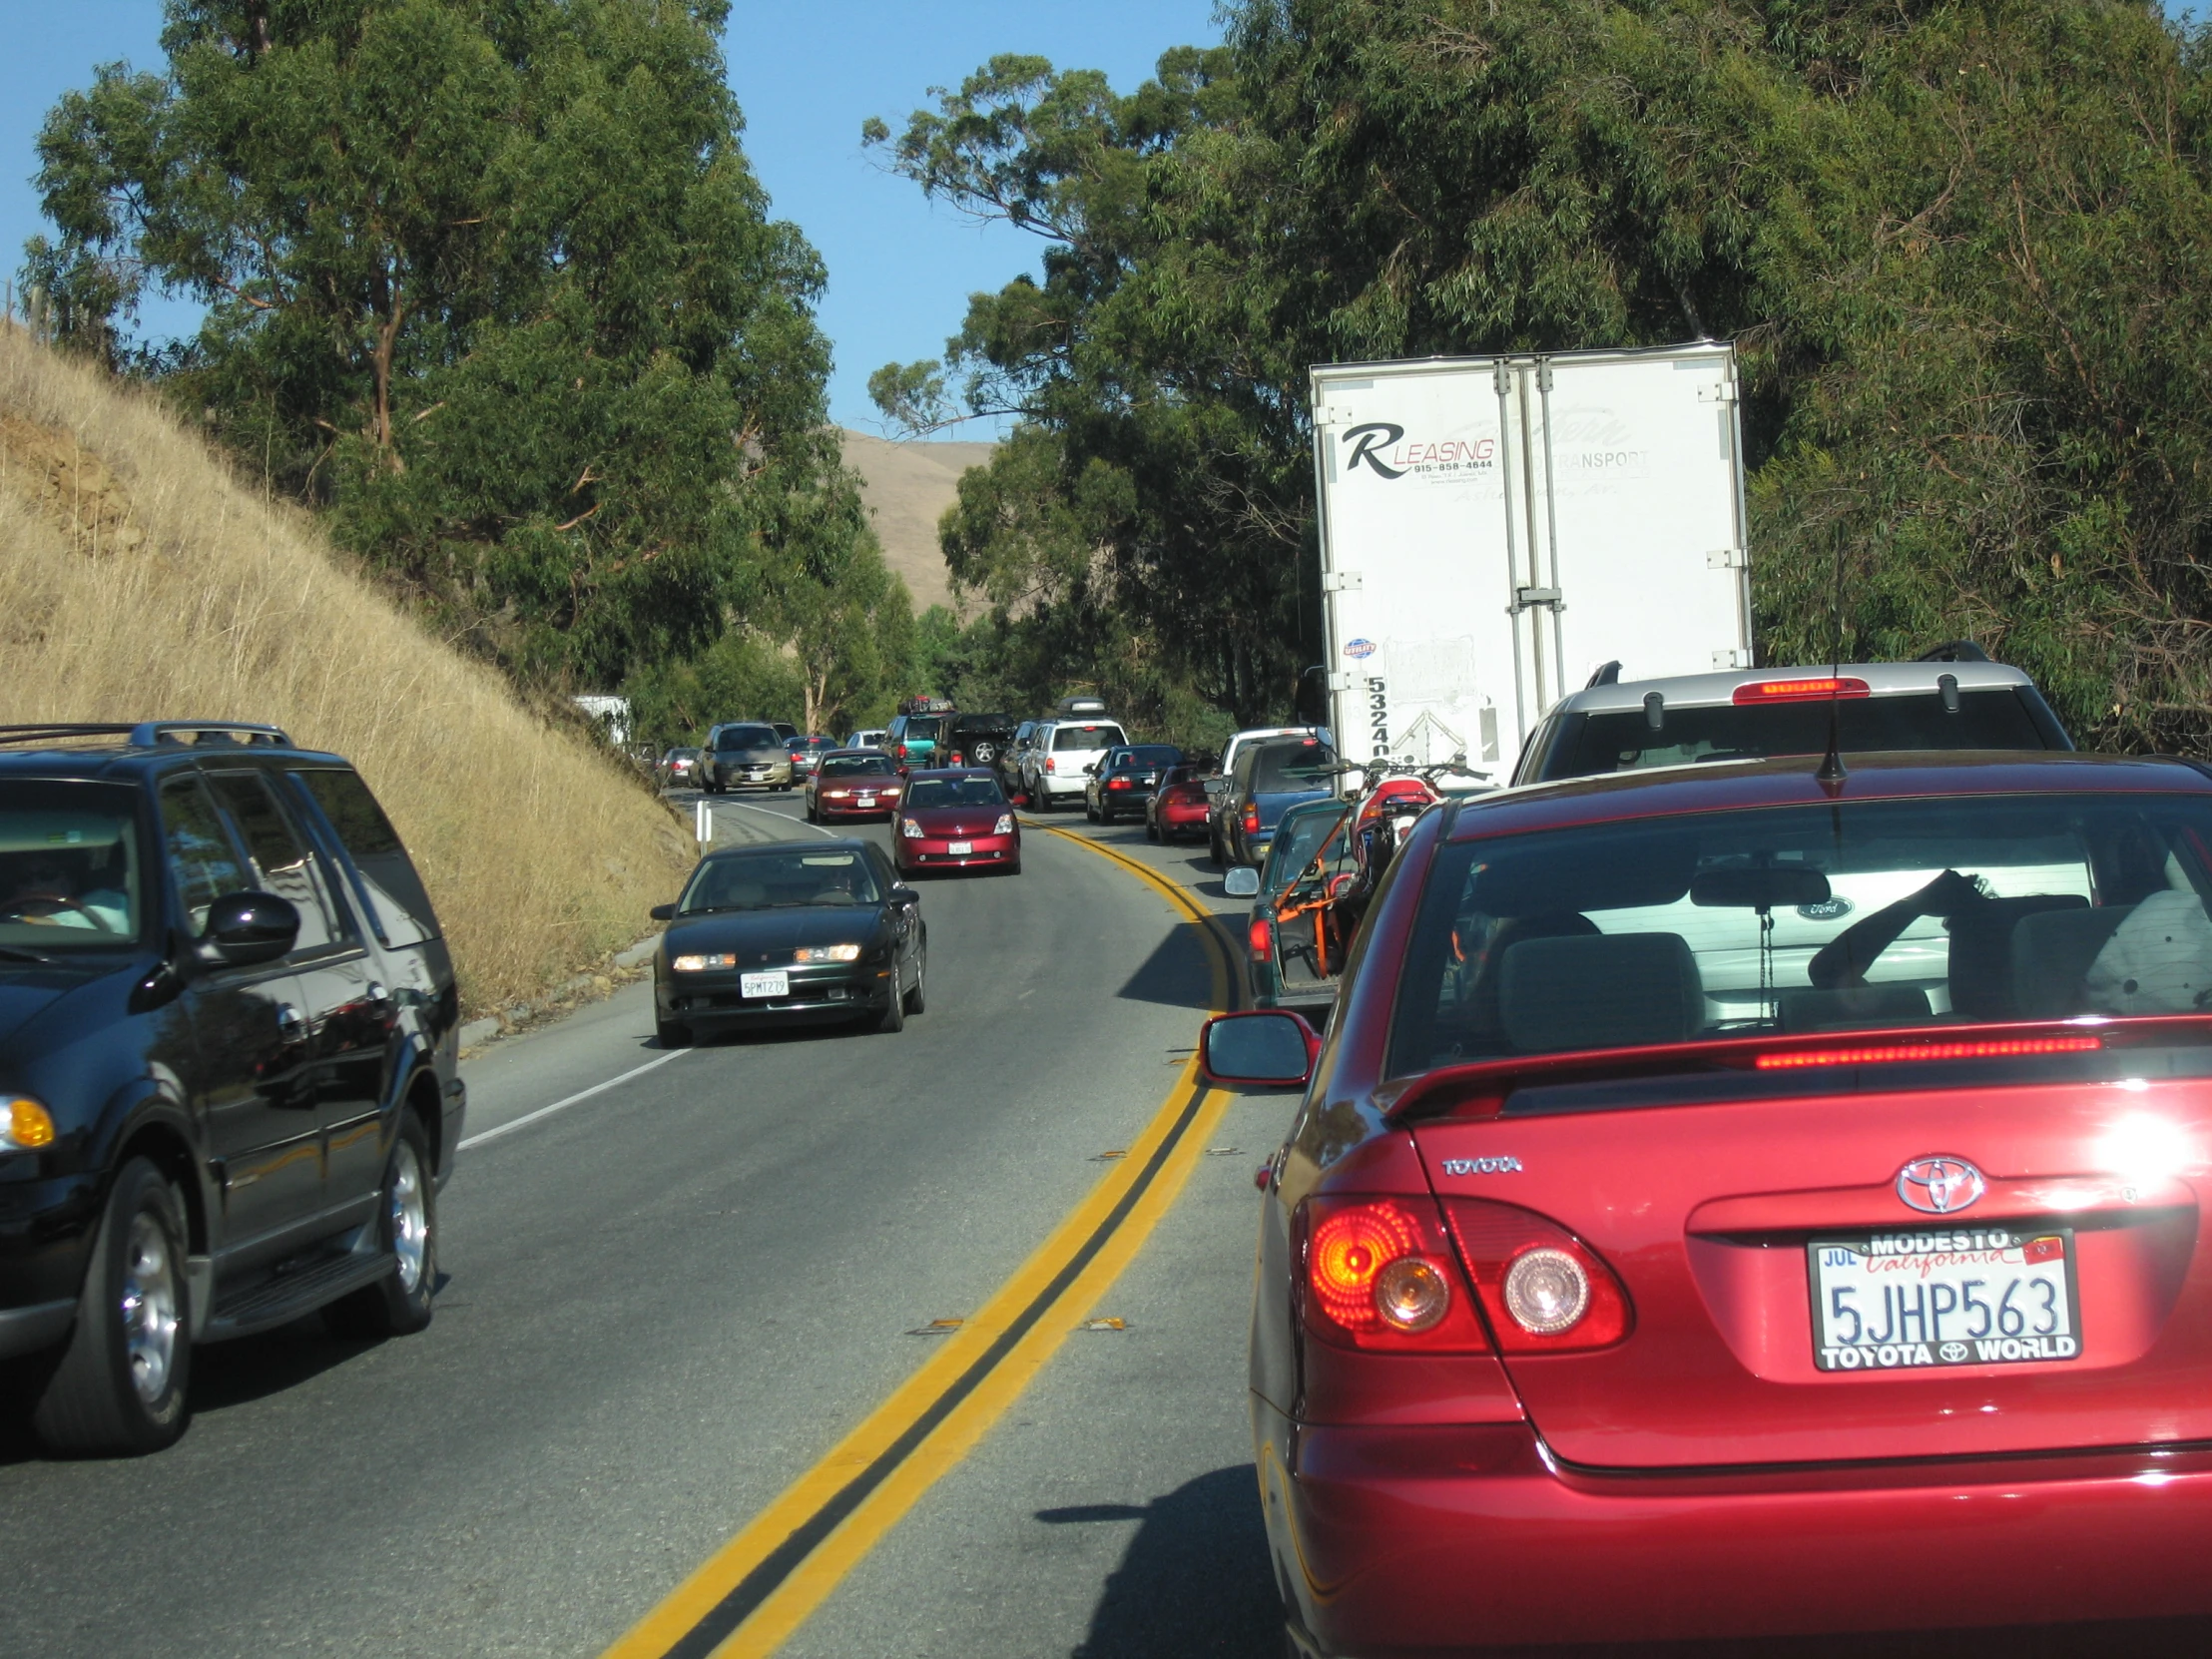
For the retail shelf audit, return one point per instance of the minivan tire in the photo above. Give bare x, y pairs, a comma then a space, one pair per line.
399, 1303
120, 1386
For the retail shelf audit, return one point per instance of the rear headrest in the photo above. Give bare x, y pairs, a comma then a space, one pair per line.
1618, 990
2051, 951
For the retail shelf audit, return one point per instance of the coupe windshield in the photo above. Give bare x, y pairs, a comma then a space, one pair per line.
69, 869
1626, 742
778, 879
926, 792
1866, 916
860, 766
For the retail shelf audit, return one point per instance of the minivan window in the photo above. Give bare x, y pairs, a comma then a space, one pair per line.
286, 868
400, 905
1086, 737
920, 729
1591, 744
69, 875
1287, 767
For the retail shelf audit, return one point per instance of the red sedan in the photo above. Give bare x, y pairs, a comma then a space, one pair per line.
1749, 1203
1178, 807
956, 819
853, 783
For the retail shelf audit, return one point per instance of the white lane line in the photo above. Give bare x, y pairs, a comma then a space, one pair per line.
562, 1105
765, 812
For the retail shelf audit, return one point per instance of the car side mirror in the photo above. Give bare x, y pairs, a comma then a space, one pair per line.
903, 895
1091, 771
1242, 881
248, 927
662, 912
1266, 1047
1214, 787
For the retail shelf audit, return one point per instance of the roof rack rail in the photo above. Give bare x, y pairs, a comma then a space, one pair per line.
1608, 674
149, 733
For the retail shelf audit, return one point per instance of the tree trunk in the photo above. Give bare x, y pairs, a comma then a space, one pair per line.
387, 341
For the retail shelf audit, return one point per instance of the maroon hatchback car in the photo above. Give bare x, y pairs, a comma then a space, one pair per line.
956, 819
1733, 1202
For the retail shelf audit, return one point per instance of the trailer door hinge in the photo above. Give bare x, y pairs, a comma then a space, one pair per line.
1721, 391
1527, 599
1728, 558
1341, 581
1732, 659
1343, 679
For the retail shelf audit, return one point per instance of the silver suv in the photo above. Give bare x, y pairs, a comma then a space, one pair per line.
1958, 701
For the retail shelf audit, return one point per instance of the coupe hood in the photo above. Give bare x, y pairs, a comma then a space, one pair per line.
756, 936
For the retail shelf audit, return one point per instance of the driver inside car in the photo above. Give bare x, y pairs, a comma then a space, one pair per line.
45, 890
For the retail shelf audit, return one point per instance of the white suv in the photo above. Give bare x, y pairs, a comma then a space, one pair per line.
1059, 750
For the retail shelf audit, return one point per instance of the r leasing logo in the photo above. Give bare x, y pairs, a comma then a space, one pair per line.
1383, 447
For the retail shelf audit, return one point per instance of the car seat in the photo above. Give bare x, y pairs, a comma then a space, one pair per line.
1615, 990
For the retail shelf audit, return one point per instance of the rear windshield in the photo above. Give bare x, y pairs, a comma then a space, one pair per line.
1086, 737
1300, 836
1281, 767
923, 729
1863, 916
1146, 757
778, 879
983, 722
955, 791
737, 738
860, 766
1592, 744
69, 869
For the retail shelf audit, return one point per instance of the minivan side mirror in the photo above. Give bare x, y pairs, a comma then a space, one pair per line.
1242, 881
1266, 1047
248, 927
903, 895
662, 912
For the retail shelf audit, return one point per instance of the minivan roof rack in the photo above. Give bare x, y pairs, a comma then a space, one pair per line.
149, 734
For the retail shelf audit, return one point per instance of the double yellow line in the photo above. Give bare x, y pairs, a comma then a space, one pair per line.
769, 1579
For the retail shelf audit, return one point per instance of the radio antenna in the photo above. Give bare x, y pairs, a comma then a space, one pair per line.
1832, 770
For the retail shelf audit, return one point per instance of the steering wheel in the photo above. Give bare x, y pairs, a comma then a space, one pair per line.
16, 911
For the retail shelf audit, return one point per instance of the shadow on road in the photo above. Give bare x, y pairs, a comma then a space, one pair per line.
1178, 974
1195, 1580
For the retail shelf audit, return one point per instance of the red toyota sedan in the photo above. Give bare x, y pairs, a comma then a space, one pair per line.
956, 819
853, 783
1737, 1203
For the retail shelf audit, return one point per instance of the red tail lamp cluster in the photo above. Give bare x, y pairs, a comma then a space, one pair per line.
1809, 690
1259, 936
1383, 1274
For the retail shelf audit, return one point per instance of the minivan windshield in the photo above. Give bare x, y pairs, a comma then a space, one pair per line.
69, 869
737, 739
1625, 742
1867, 915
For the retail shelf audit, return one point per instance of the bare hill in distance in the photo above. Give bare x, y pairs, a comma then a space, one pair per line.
907, 487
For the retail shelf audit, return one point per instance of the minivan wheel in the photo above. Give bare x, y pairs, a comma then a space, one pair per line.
120, 1389
399, 1303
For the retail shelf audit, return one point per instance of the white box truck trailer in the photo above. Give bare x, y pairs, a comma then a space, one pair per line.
1495, 529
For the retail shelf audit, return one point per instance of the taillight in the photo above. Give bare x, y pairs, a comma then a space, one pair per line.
1252, 817
901, 752
1262, 935
957, 760
1379, 1273
1808, 690
1544, 1290
1117, 783
1052, 765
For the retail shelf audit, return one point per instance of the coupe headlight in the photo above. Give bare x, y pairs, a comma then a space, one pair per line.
25, 1126
700, 964
827, 953
1004, 826
909, 829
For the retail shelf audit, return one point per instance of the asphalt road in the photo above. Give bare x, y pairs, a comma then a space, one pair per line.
667, 1300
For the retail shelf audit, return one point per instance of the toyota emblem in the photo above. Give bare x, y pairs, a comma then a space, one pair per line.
1941, 1186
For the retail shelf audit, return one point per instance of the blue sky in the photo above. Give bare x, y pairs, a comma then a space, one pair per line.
900, 270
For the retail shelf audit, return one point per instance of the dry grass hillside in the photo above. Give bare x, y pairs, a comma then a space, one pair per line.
907, 487
139, 579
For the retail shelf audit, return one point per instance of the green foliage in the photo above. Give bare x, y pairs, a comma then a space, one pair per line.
494, 281
1962, 247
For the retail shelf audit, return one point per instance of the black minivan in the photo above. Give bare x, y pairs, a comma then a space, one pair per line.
228, 1090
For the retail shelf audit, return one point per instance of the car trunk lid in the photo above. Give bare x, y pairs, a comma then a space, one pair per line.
1714, 1214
